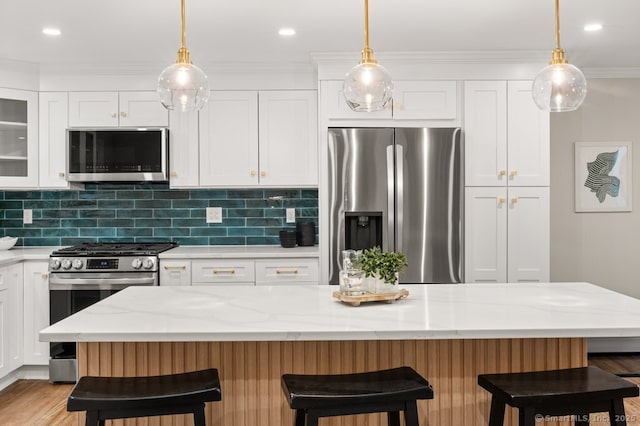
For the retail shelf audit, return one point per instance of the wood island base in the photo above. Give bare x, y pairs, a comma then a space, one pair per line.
250, 373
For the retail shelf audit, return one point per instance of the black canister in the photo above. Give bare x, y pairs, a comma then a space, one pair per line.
287, 238
306, 233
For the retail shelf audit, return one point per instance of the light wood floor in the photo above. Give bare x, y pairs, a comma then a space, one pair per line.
39, 403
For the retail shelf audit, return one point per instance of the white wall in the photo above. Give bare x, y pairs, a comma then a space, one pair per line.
602, 248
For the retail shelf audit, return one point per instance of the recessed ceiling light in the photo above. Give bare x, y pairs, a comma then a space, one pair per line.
287, 32
593, 27
51, 31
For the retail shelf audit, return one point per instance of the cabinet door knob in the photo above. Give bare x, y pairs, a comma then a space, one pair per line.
174, 174
253, 172
514, 200
123, 114
45, 276
501, 200
502, 172
512, 173
398, 105
61, 174
114, 115
263, 173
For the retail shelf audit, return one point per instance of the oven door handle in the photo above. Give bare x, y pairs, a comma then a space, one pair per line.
56, 283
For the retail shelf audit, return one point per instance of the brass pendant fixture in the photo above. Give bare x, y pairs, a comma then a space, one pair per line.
559, 87
183, 86
368, 86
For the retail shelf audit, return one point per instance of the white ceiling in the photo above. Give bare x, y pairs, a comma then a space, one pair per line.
230, 31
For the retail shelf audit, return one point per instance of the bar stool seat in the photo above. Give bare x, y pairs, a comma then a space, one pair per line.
570, 392
106, 398
391, 391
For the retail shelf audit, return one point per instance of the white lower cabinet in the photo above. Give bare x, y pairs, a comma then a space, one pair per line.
11, 313
507, 234
36, 311
175, 273
223, 272
286, 271
241, 271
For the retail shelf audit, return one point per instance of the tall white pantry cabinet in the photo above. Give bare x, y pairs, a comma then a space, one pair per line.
506, 183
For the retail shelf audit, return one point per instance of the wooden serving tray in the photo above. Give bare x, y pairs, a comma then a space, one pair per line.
371, 297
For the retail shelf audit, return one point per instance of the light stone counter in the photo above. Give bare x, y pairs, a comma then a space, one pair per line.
253, 335
251, 252
18, 254
282, 313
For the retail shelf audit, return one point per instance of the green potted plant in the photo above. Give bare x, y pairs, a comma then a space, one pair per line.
381, 269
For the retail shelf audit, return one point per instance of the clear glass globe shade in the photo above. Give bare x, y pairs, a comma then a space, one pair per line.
367, 87
559, 88
183, 87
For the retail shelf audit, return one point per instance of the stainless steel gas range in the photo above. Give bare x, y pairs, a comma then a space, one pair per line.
81, 275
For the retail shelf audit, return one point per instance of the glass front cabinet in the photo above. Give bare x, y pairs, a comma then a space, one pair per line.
18, 138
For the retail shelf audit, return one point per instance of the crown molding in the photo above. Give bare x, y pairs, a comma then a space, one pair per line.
631, 72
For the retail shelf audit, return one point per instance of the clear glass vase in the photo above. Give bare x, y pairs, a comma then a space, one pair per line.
351, 278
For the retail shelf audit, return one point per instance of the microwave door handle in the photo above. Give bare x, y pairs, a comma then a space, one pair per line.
389, 243
399, 197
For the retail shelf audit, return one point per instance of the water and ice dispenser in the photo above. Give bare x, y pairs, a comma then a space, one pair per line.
363, 230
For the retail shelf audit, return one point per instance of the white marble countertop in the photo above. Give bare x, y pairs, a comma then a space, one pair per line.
281, 313
214, 252
18, 254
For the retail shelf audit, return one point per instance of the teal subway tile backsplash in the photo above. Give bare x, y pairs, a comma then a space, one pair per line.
153, 212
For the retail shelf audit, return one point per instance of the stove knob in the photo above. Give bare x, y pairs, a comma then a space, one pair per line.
136, 263
147, 264
77, 264
66, 264
55, 264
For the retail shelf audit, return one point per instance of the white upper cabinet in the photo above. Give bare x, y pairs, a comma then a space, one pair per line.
412, 100
250, 138
506, 135
113, 109
184, 154
229, 139
288, 135
54, 118
336, 106
18, 138
425, 100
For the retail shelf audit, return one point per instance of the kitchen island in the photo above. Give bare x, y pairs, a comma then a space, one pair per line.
448, 333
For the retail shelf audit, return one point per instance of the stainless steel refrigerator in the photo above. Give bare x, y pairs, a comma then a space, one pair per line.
400, 189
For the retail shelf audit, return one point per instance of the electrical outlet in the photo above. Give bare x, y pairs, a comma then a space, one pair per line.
214, 214
291, 215
27, 216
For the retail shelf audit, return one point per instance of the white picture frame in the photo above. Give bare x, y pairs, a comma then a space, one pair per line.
603, 176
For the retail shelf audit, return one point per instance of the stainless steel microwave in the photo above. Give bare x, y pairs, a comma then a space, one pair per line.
117, 155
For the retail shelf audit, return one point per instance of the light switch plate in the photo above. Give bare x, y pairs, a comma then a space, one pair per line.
291, 215
27, 216
214, 214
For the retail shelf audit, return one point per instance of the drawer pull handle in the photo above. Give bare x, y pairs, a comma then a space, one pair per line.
286, 271
169, 268
224, 271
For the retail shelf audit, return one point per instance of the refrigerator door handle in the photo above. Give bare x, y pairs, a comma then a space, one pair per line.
389, 244
399, 196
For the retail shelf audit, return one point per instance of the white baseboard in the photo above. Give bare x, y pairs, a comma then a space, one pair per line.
27, 372
606, 344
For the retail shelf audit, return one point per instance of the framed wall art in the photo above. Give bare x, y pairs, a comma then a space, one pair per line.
603, 176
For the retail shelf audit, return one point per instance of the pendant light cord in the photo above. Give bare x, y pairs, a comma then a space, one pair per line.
558, 24
367, 53
183, 52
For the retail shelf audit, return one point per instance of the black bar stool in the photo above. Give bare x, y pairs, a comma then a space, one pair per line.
573, 392
391, 391
105, 398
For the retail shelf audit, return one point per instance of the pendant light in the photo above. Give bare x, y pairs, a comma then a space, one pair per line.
183, 86
560, 86
367, 87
